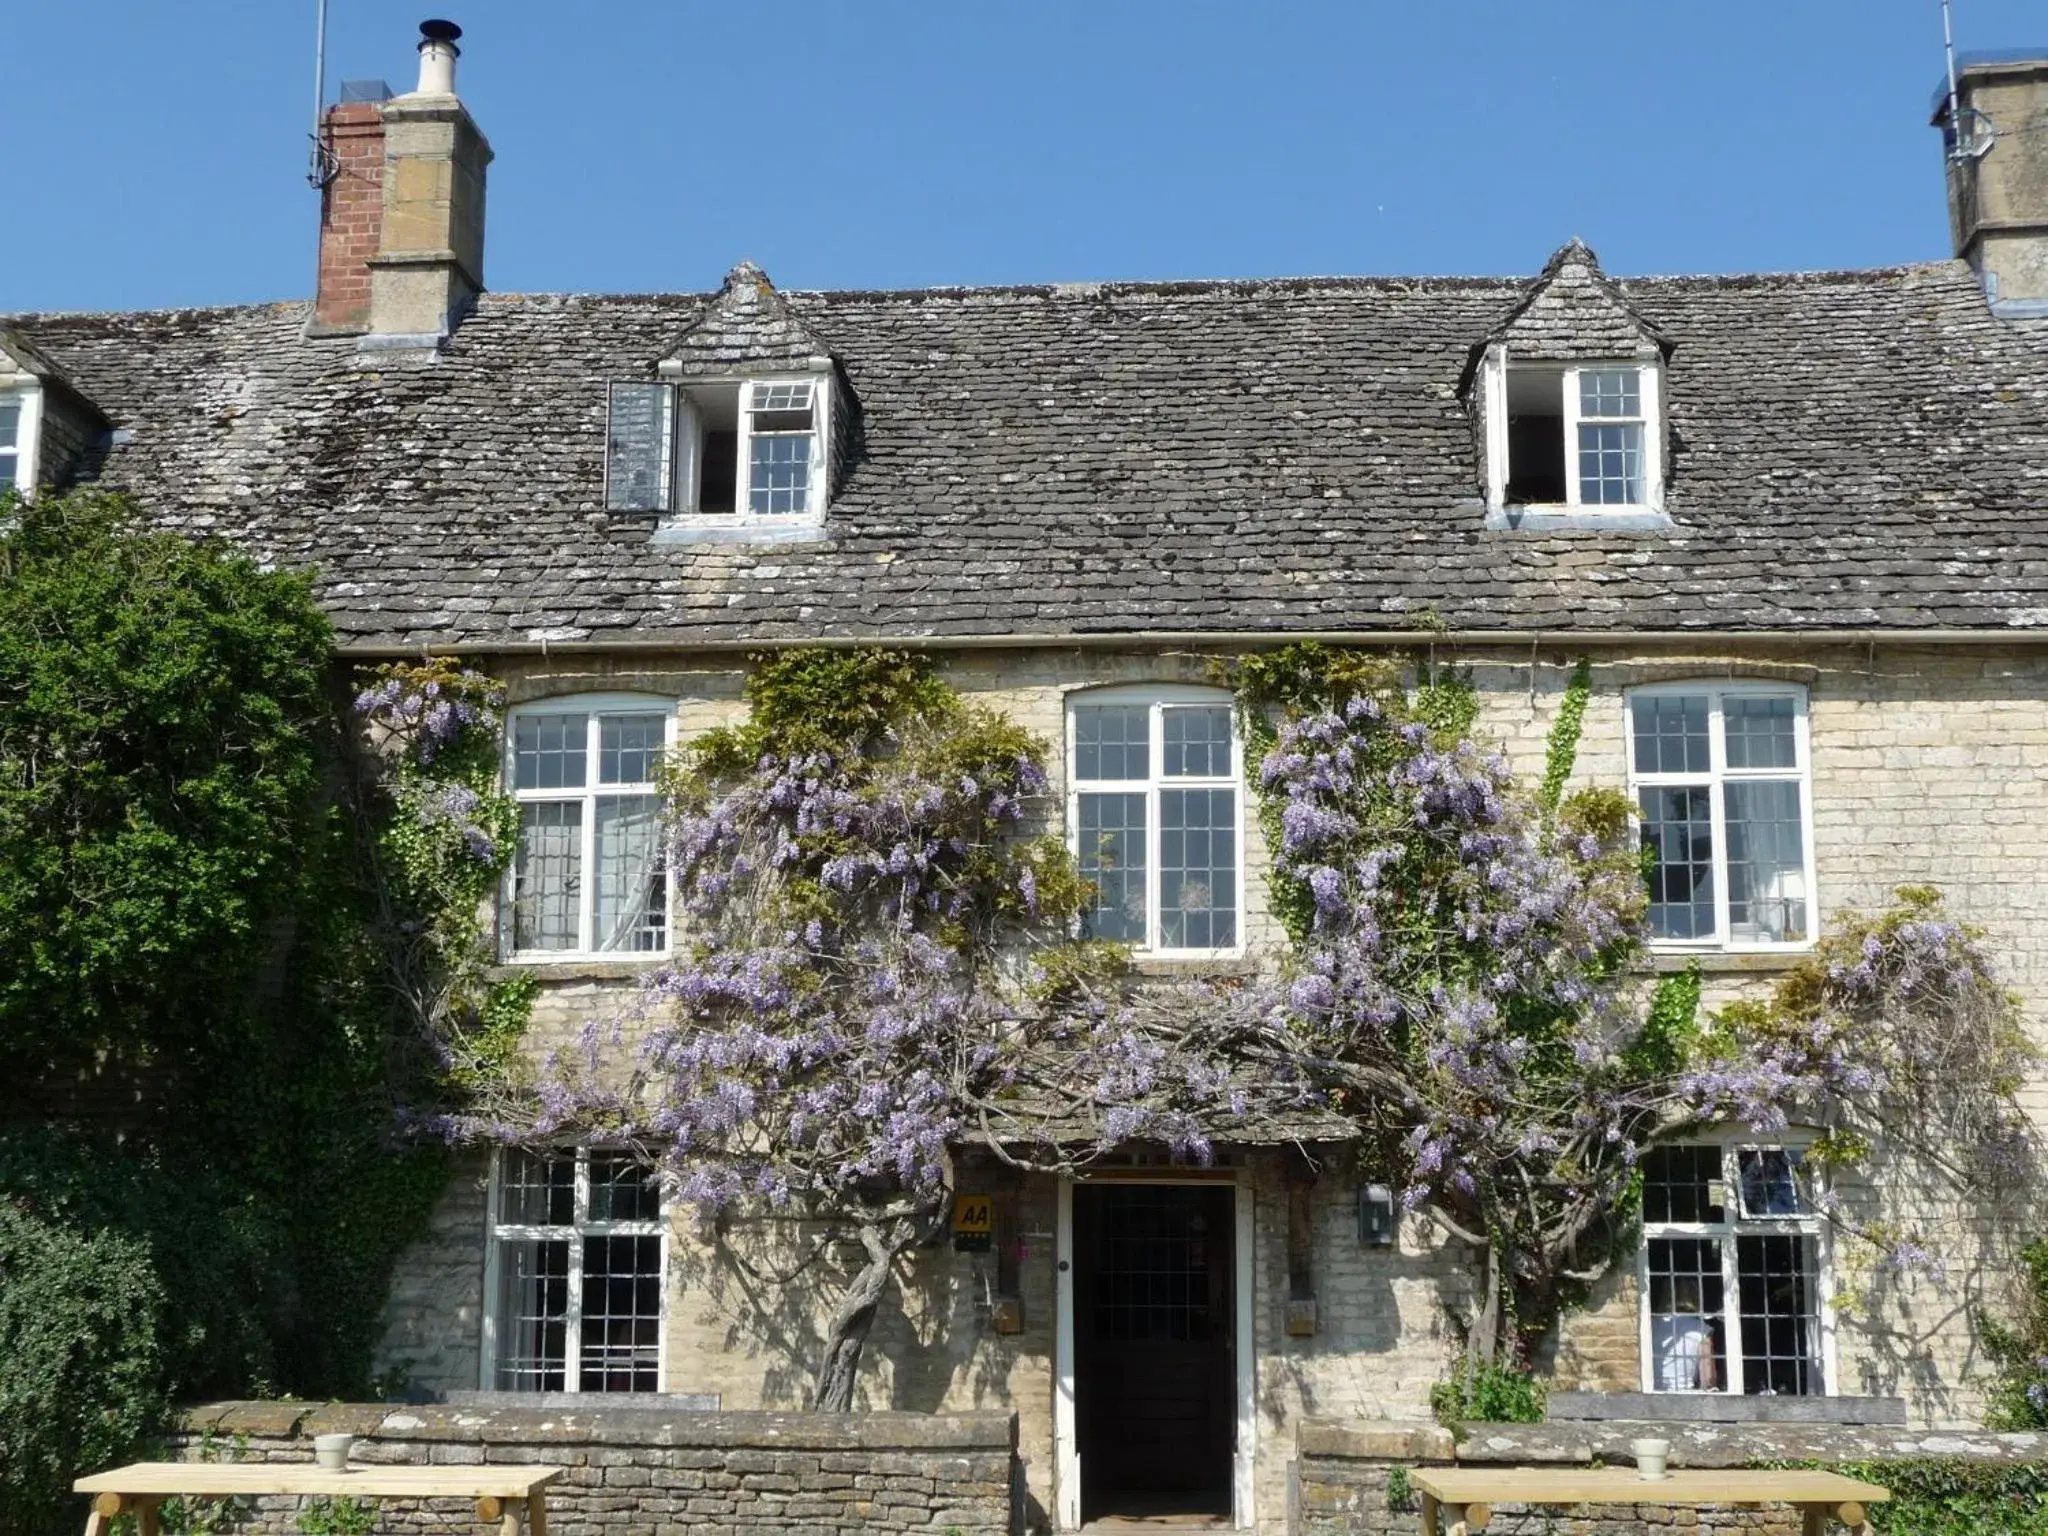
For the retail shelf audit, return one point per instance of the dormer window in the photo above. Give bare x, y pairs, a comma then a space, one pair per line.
782, 448
10, 444
19, 418
739, 454
1573, 437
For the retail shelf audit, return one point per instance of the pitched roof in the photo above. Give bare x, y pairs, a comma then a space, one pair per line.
1849, 450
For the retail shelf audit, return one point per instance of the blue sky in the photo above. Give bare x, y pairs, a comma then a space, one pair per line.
648, 144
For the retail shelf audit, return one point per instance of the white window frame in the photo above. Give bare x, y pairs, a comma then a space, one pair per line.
1717, 776
1724, 1232
1650, 378
1159, 699
28, 432
687, 476
497, 1233
594, 705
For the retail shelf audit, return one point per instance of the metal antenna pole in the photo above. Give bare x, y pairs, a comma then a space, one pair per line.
1948, 43
317, 172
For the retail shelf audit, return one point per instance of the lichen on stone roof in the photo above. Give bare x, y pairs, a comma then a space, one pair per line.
1848, 450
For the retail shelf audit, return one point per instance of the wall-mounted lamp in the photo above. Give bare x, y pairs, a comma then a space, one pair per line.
1375, 1216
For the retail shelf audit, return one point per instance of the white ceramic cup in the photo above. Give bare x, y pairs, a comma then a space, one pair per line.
1651, 1457
330, 1452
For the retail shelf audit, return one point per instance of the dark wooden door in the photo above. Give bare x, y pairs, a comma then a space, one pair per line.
1154, 1384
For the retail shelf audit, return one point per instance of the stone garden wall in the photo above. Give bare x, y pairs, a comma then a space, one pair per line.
641, 1469
1348, 1477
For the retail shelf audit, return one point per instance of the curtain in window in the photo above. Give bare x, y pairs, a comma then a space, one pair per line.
630, 889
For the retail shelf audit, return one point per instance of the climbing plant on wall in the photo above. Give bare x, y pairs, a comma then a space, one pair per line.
876, 963
1464, 979
208, 897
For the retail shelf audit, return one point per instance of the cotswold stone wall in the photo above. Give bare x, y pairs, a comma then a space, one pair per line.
1930, 765
1343, 1480
637, 1469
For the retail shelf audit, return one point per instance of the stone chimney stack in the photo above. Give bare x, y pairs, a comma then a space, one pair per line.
1997, 152
429, 265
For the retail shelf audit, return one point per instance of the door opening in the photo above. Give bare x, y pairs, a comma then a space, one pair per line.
1155, 1380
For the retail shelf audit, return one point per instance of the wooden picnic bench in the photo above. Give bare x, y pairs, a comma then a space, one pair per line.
1458, 1501
508, 1495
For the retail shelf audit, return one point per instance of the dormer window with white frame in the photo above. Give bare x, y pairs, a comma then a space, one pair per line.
20, 421
750, 455
1573, 440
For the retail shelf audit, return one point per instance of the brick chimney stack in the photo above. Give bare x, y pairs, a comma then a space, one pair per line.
402, 214
351, 216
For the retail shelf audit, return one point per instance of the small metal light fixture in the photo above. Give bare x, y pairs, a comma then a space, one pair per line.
1375, 1216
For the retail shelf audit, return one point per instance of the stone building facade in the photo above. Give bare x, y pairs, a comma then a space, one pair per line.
1815, 495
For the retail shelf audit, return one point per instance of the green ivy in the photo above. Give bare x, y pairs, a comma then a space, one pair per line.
338, 1517
2019, 1348
203, 930
1565, 731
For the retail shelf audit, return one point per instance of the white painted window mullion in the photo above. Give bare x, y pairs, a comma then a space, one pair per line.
572, 1308
1571, 437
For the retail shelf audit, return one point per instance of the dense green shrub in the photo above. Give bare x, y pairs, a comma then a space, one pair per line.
1942, 1496
80, 1358
2019, 1348
1479, 1392
204, 1056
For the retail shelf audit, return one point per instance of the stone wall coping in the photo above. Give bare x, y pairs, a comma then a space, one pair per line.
609, 1424
1692, 1445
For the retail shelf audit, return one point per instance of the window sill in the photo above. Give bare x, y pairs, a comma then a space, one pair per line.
1722, 962
1192, 965
726, 530
1578, 520
583, 968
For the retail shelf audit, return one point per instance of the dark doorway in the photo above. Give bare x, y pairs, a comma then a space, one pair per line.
1154, 1378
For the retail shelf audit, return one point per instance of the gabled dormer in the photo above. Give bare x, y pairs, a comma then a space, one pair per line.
1569, 394
739, 436
48, 428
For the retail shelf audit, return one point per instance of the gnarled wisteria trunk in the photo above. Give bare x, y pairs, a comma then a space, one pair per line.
854, 1318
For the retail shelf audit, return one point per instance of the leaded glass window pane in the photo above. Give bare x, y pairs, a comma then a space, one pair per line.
1778, 1287
1682, 1183
632, 896
1112, 741
1766, 860
533, 1314
1760, 733
623, 1188
1769, 1179
1197, 742
1197, 868
629, 747
779, 473
1688, 1315
1610, 464
1678, 830
1610, 392
621, 1323
10, 442
1671, 733
536, 1189
1112, 849
548, 751
547, 876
